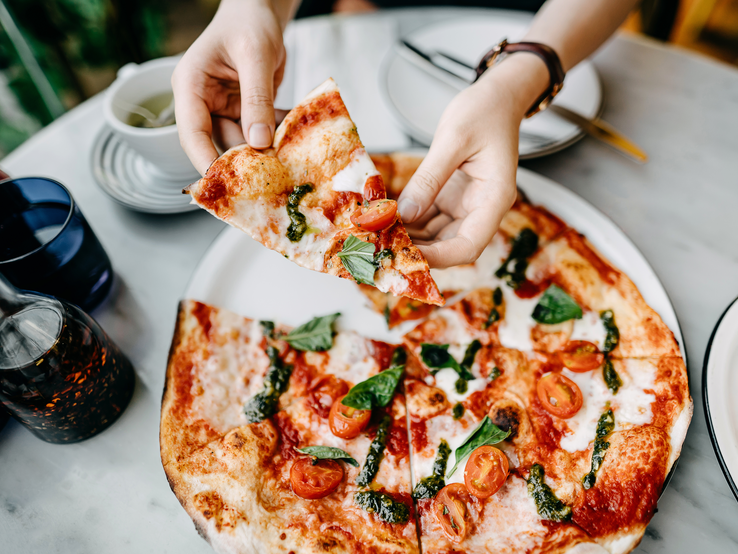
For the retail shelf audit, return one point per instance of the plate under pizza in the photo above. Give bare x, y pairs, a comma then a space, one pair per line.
238, 277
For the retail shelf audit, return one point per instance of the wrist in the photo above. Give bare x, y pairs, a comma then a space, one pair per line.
521, 77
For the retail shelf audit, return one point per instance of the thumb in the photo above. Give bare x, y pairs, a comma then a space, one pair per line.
422, 189
256, 81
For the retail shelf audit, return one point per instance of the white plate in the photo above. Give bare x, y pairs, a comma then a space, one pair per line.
132, 181
719, 388
418, 99
239, 274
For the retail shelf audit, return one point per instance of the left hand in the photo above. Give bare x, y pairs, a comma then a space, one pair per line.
454, 203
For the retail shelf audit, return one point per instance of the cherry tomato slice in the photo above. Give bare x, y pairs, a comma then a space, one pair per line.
559, 395
450, 510
486, 471
581, 356
347, 423
376, 215
325, 393
317, 480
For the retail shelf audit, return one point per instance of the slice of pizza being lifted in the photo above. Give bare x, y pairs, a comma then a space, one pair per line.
316, 198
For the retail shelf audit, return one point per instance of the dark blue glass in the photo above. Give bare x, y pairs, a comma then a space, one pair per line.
46, 245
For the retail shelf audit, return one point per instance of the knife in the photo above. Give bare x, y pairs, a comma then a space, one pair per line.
594, 127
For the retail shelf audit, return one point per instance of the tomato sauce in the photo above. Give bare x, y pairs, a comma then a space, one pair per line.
202, 313
289, 436
397, 443
418, 430
529, 289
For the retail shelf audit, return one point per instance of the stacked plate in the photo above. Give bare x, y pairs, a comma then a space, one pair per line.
135, 183
719, 386
417, 97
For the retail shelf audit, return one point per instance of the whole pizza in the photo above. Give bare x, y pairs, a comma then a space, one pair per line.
539, 411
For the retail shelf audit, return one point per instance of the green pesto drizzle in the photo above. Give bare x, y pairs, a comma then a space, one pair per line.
429, 486
469, 354
523, 247
494, 314
383, 505
605, 426
298, 223
549, 507
612, 379
375, 455
495, 373
461, 385
458, 411
613, 333
265, 403
267, 328
381, 255
399, 357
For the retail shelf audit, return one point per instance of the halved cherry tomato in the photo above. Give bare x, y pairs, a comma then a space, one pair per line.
486, 471
559, 395
315, 480
581, 356
450, 510
325, 393
376, 215
347, 423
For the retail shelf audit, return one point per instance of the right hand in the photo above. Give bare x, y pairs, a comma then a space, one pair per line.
226, 81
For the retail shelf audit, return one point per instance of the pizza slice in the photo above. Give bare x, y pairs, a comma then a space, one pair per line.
316, 198
285, 466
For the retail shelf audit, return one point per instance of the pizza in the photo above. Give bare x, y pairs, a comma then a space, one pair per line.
317, 198
539, 411
241, 401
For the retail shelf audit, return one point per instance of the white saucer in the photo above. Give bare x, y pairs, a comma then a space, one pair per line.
719, 388
418, 99
135, 183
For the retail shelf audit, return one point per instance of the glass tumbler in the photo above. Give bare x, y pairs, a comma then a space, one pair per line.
46, 245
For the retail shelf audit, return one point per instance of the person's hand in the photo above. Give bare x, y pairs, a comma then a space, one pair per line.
224, 85
454, 203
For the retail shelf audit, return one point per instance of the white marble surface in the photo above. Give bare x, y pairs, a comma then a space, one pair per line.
109, 494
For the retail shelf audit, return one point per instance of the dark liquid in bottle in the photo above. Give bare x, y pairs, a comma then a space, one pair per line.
73, 266
79, 387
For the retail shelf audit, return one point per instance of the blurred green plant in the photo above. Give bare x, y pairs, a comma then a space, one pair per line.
68, 38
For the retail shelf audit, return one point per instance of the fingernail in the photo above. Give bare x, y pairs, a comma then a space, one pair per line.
408, 210
260, 136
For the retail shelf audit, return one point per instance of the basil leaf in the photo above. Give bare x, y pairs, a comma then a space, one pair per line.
357, 257
328, 453
555, 306
436, 357
376, 391
315, 335
486, 433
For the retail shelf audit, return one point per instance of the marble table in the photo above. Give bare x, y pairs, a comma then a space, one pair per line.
110, 495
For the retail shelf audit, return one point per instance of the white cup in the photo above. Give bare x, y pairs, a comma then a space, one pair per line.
160, 147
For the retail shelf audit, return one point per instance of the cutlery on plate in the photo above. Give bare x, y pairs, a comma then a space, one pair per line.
460, 75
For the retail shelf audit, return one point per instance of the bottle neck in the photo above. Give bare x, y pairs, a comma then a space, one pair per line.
10, 299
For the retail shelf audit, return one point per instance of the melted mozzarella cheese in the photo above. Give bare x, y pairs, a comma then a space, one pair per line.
510, 524
456, 329
350, 358
590, 328
391, 280
353, 177
446, 381
631, 405
442, 427
514, 331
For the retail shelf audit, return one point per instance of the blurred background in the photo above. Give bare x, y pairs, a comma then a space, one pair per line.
55, 54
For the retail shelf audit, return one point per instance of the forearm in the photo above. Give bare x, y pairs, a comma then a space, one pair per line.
573, 28
576, 28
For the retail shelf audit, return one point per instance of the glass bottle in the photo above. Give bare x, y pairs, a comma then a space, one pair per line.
60, 375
